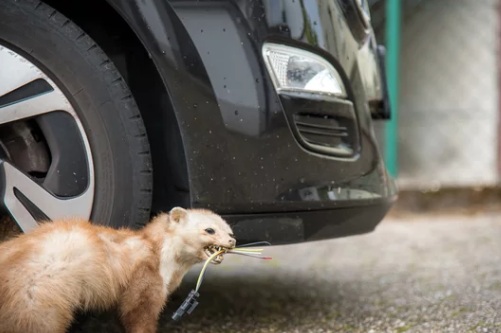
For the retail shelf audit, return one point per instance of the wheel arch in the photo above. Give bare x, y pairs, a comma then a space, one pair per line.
122, 43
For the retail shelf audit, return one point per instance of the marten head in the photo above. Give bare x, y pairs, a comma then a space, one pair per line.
202, 233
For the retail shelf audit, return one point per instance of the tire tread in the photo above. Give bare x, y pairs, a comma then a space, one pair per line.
121, 96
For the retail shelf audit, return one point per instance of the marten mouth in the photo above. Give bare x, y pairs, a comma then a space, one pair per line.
210, 250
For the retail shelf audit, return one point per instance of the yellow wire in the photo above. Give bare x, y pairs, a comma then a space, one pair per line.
242, 249
246, 252
215, 254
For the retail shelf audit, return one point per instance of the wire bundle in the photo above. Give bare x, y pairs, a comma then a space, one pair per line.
191, 302
243, 250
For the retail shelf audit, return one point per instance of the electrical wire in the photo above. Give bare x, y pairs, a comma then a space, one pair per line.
246, 250
261, 243
253, 253
204, 268
191, 301
250, 255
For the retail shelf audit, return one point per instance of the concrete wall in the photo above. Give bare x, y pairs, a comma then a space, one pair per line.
448, 103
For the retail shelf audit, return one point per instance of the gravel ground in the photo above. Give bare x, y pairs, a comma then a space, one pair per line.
433, 274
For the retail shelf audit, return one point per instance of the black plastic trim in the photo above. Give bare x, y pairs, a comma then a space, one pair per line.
328, 127
382, 109
302, 226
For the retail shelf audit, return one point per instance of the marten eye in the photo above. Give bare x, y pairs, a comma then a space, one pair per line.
210, 231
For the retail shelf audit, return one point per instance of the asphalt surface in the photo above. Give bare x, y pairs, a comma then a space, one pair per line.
428, 274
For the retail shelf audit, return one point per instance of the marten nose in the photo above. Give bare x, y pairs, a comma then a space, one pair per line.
232, 242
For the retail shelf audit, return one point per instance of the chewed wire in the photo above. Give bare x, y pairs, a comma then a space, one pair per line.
204, 268
241, 250
261, 243
250, 255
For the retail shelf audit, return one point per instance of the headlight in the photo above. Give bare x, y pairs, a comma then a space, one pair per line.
297, 70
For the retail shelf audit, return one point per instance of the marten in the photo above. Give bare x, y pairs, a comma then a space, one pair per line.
68, 265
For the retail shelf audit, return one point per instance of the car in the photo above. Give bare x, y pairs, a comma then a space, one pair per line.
262, 111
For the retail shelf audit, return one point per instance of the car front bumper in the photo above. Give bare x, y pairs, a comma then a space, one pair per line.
243, 157
293, 227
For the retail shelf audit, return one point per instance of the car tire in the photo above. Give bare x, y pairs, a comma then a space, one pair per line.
102, 103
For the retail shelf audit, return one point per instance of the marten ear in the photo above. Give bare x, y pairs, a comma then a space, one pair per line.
177, 214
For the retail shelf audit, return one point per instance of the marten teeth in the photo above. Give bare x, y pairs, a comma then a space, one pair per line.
214, 248
211, 249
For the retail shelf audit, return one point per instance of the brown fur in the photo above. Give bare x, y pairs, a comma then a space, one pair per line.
66, 265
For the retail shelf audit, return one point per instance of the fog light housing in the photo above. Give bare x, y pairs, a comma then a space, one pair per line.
296, 70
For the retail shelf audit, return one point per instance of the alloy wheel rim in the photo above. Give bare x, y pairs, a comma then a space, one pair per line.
27, 93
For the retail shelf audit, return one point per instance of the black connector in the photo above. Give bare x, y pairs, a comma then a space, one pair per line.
189, 304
